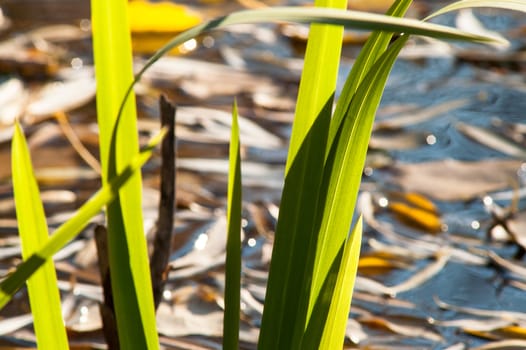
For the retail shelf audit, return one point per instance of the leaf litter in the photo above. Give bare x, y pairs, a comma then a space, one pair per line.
424, 203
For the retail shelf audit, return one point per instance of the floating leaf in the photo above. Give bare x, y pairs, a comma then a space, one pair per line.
454, 179
416, 216
163, 16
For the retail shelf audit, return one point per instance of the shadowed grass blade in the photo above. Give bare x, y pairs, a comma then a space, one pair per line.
128, 258
73, 226
233, 245
288, 289
43, 292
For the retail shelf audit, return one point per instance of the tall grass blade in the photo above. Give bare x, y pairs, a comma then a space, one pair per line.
44, 295
329, 244
334, 329
372, 49
343, 170
289, 283
128, 258
73, 226
233, 245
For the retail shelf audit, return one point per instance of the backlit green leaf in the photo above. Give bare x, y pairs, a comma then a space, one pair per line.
43, 292
73, 226
233, 245
128, 257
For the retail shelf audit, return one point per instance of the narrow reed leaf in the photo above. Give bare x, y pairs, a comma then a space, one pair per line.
233, 245
372, 49
342, 177
334, 329
515, 5
329, 244
44, 295
128, 257
73, 226
288, 289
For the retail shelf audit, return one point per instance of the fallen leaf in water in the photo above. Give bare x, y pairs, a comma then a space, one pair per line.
164, 16
451, 179
205, 80
210, 125
419, 116
391, 140
416, 216
11, 324
514, 267
13, 97
492, 140
374, 265
475, 324
503, 314
408, 326
516, 228
511, 344
62, 97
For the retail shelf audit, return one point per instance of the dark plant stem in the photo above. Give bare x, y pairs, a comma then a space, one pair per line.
106, 308
163, 237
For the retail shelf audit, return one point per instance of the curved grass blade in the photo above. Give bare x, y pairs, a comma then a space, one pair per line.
73, 226
44, 295
233, 245
351, 19
514, 5
334, 329
289, 282
128, 257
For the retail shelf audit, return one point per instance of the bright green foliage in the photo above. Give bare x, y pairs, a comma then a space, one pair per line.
44, 295
290, 275
67, 231
314, 258
233, 245
128, 258
334, 328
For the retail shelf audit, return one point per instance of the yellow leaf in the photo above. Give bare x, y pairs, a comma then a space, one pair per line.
164, 17
372, 265
420, 201
514, 332
416, 216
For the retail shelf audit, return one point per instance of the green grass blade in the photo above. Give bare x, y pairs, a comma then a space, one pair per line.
128, 258
372, 49
329, 244
514, 5
44, 295
233, 245
341, 183
73, 226
334, 330
288, 288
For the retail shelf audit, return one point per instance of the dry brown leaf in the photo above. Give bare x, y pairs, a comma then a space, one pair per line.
402, 325
450, 179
